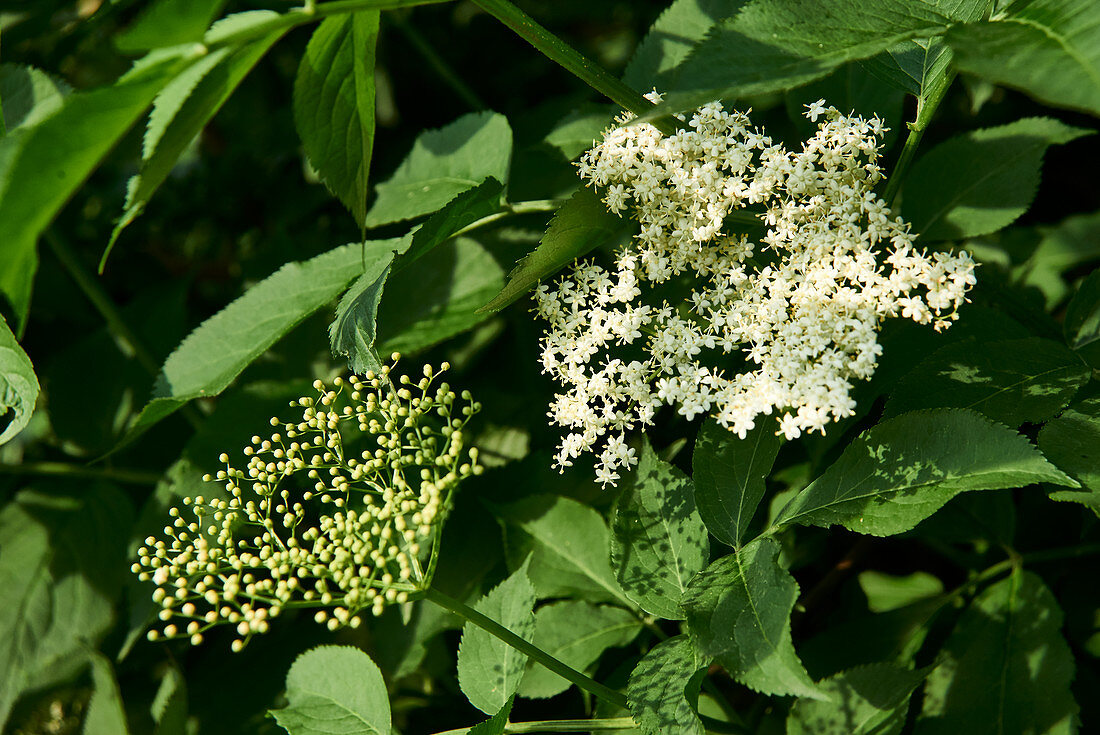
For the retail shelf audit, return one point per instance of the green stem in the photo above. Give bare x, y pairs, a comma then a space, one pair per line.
526, 647
533, 206
62, 469
926, 108
569, 58
438, 64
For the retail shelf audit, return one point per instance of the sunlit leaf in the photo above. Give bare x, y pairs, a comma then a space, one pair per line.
658, 688
18, 384
335, 689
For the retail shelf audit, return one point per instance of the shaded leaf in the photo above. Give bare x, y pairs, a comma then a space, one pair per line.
439, 298
571, 547
1005, 668
981, 181
216, 352
105, 714
869, 700
353, 332
442, 164
671, 39
658, 540
489, 670
1011, 381
18, 384
1049, 49
896, 474
658, 690
1072, 442
576, 633
29, 95
494, 725
579, 130
729, 475
739, 612
1061, 248
61, 569
334, 689
180, 111
334, 105
581, 224
776, 45
466, 208
1082, 322
169, 23
41, 166
885, 592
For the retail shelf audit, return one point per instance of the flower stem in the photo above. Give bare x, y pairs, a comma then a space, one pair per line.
569, 58
926, 108
593, 725
526, 647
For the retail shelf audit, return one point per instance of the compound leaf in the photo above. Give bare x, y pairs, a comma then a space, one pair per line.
658, 540
334, 105
896, 474
729, 475
981, 181
489, 670
1011, 381
442, 164
658, 693
739, 610
1005, 668
335, 689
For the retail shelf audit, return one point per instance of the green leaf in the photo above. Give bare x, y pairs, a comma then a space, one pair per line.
850, 88
169, 23
169, 707
41, 166
658, 540
334, 105
729, 476
683, 24
465, 209
576, 633
442, 164
869, 700
581, 224
658, 692
1072, 442
776, 45
1005, 668
739, 612
885, 592
439, 298
579, 130
1049, 49
1082, 323
572, 547
981, 181
896, 474
61, 570
18, 384
105, 714
1011, 381
334, 689
921, 67
29, 95
216, 352
489, 670
180, 112
353, 332
496, 724
1062, 248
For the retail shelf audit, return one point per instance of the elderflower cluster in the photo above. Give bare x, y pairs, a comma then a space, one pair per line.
718, 323
336, 511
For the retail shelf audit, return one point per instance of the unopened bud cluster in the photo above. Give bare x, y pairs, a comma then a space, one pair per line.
782, 325
338, 510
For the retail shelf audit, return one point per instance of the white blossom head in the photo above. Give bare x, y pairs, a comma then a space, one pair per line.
783, 325
338, 510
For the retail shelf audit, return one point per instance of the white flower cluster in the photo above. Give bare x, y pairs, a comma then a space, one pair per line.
782, 325
310, 523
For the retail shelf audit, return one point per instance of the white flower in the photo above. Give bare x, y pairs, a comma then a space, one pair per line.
839, 263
